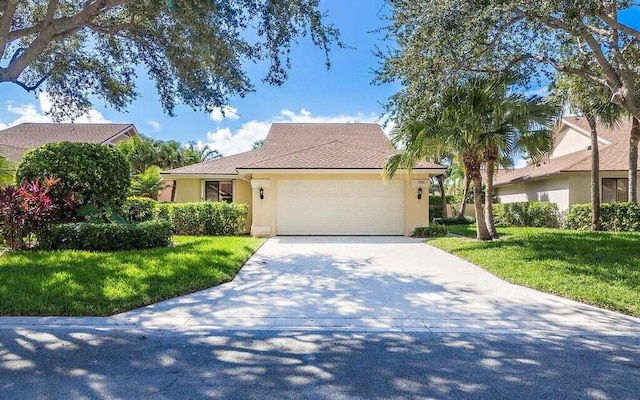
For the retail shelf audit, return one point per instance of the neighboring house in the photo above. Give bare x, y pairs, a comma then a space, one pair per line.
15, 141
315, 179
565, 178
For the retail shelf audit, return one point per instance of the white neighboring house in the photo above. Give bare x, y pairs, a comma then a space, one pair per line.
565, 178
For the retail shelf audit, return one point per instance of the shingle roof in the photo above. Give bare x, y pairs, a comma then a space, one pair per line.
16, 140
309, 146
613, 156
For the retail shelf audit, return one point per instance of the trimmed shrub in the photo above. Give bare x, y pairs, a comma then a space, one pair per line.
540, 214
430, 231
455, 221
205, 218
437, 200
139, 209
435, 212
95, 173
105, 237
615, 217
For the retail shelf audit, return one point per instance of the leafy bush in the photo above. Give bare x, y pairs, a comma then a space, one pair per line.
539, 214
105, 237
205, 218
616, 217
433, 230
437, 200
25, 209
95, 173
455, 221
435, 212
139, 209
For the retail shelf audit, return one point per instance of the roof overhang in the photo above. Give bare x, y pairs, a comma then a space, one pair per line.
334, 171
527, 178
127, 132
199, 176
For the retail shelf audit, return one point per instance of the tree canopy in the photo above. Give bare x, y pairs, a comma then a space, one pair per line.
437, 40
194, 50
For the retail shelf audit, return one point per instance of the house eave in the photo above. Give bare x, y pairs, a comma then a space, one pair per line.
333, 171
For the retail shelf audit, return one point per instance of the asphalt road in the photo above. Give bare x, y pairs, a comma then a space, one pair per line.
165, 364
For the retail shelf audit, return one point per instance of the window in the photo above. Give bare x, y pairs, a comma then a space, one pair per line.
615, 190
218, 191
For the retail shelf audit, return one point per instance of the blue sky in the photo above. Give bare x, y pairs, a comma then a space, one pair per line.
311, 94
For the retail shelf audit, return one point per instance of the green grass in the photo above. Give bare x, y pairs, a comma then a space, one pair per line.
599, 268
82, 283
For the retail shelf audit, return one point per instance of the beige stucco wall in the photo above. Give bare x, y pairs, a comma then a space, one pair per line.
242, 194
580, 185
570, 141
265, 210
556, 190
188, 190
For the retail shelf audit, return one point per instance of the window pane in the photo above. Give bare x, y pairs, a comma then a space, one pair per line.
623, 190
608, 190
226, 191
212, 191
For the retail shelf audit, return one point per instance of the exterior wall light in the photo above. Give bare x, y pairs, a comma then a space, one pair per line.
419, 193
261, 193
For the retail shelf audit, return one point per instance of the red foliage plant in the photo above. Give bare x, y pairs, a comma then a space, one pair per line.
26, 208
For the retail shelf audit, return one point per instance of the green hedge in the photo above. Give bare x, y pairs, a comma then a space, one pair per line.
455, 221
205, 218
95, 173
541, 214
430, 231
615, 217
139, 209
105, 237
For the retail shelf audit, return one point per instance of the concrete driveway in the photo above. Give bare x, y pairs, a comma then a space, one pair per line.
372, 284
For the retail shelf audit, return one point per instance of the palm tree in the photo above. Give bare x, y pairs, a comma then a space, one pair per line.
200, 153
513, 124
593, 102
139, 151
479, 123
441, 128
148, 183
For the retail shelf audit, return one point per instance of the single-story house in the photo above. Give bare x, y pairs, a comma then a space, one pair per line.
315, 179
565, 177
16, 140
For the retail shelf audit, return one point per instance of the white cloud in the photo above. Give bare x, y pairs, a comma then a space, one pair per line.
229, 142
29, 113
220, 113
154, 125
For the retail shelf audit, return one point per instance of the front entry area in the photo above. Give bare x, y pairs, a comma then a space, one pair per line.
340, 207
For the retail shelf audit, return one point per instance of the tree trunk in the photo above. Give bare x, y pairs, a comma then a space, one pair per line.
634, 138
481, 227
488, 199
443, 196
465, 193
173, 190
595, 174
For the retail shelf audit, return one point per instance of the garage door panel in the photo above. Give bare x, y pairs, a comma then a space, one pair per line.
325, 207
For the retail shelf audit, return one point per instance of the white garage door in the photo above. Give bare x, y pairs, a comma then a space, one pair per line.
312, 207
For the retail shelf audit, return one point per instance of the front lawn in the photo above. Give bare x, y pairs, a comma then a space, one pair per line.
82, 283
599, 268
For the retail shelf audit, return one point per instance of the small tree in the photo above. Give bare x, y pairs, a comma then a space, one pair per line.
148, 183
94, 173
